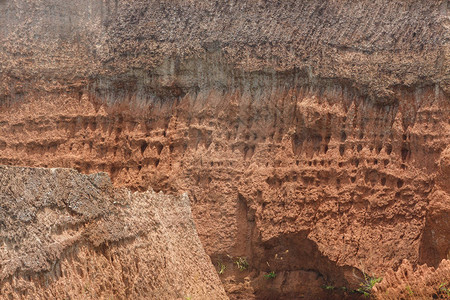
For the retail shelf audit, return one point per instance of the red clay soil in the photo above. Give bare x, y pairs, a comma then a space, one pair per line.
312, 137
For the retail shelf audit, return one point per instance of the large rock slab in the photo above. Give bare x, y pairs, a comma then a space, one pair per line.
65, 235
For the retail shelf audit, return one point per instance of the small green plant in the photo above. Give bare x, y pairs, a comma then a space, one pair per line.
241, 263
328, 287
409, 290
367, 285
270, 275
221, 268
443, 289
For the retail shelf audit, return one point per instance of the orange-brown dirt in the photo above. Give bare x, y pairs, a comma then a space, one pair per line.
344, 199
423, 283
312, 137
67, 236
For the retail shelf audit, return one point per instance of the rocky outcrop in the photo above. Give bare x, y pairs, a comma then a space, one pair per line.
311, 136
66, 235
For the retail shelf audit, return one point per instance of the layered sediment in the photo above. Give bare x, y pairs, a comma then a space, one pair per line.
311, 137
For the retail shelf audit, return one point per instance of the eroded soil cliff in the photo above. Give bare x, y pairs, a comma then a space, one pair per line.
312, 137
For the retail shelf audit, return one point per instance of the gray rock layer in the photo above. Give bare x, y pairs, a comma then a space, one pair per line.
170, 48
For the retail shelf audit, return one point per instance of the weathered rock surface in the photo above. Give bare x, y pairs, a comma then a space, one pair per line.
423, 283
311, 136
66, 235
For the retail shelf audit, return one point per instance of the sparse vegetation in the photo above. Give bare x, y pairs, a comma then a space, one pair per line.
241, 263
443, 289
86, 289
270, 275
342, 291
221, 268
367, 285
409, 290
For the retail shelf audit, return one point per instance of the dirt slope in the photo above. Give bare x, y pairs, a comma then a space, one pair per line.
66, 235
